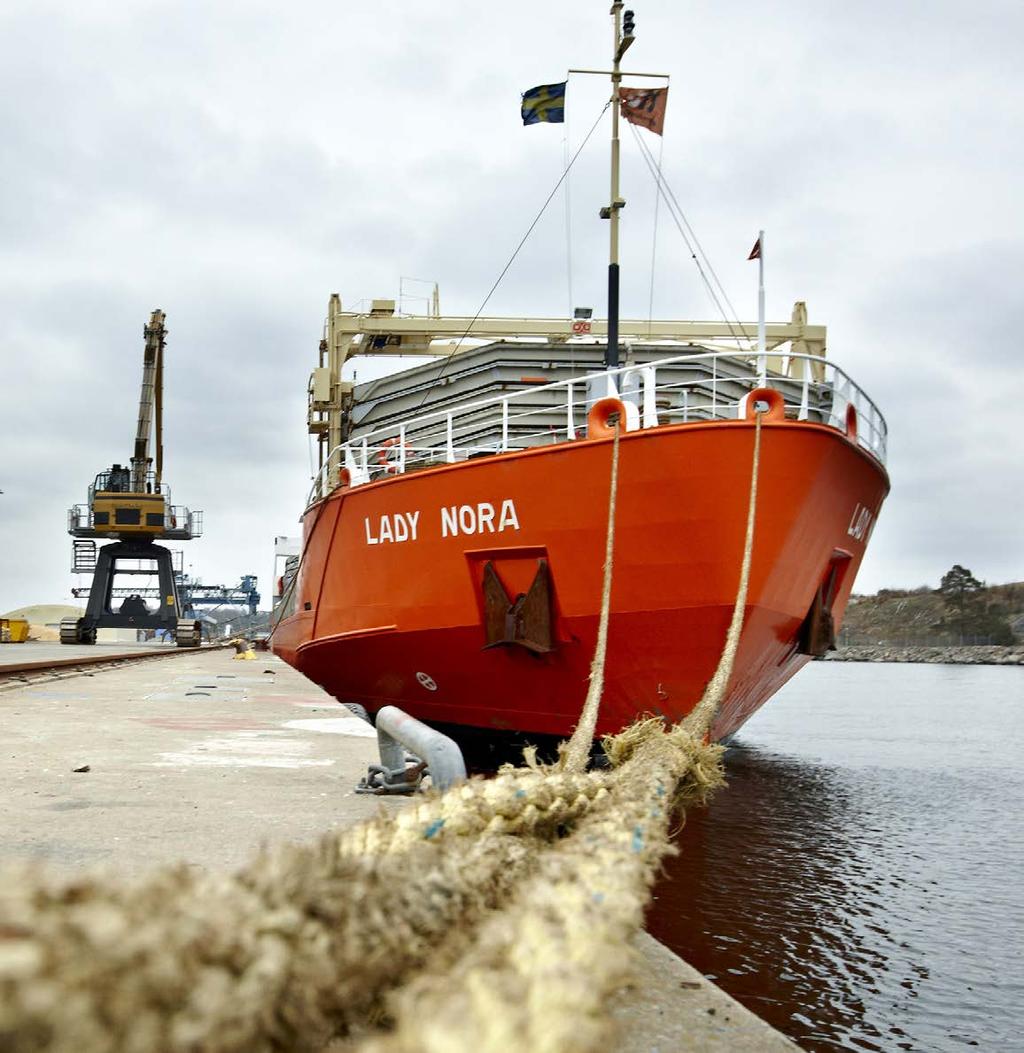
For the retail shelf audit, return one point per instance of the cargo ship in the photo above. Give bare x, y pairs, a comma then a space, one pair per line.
453, 539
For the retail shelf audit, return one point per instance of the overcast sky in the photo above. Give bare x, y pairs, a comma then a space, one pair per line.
236, 163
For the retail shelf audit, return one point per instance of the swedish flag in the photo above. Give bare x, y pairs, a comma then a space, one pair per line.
545, 103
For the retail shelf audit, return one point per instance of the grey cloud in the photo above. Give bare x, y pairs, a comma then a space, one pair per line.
235, 169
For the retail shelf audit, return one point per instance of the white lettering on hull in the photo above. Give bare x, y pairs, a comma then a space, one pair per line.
509, 520
402, 526
456, 520
478, 519
861, 523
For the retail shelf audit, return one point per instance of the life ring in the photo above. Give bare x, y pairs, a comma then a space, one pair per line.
391, 450
344, 478
599, 424
851, 422
776, 404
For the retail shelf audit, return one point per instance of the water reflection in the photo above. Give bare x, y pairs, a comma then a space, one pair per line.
858, 883
770, 898
858, 905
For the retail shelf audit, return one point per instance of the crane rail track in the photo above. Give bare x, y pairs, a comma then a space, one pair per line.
22, 674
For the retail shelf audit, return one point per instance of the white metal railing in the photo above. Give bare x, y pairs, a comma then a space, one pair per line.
655, 393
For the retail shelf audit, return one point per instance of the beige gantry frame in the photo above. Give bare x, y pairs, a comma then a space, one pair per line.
381, 332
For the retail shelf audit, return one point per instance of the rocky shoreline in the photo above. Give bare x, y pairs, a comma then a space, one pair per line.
979, 655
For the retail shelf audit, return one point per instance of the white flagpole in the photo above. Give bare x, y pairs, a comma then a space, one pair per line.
762, 362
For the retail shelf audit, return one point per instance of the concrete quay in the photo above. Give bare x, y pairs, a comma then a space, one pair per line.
204, 758
199, 757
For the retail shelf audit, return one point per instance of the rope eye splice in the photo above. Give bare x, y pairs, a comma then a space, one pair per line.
486, 919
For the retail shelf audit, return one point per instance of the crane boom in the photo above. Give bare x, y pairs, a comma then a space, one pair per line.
150, 399
158, 404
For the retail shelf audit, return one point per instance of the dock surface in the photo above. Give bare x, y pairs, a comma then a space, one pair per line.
204, 757
200, 757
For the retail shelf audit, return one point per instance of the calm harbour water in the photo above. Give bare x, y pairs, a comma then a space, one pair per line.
859, 882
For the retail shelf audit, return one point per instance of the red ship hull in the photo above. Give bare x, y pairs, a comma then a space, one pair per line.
389, 605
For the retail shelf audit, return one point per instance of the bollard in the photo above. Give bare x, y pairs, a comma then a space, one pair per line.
398, 732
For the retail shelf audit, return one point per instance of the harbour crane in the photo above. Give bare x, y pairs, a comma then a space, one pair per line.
131, 504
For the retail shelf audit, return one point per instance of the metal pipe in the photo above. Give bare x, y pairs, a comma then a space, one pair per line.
398, 732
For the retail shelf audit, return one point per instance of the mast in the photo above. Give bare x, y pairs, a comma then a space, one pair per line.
762, 363
620, 43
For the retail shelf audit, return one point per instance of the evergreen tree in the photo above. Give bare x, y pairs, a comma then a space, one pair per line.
959, 589
969, 610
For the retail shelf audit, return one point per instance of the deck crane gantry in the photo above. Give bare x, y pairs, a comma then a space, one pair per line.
133, 507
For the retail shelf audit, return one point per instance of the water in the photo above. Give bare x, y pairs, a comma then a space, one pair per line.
859, 883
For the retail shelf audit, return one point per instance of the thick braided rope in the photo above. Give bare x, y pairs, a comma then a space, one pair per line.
701, 717
524, 800
577, 751
282, 956
303, 943
537, 975
289, 951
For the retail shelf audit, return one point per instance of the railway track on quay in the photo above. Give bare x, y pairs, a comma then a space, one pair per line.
42, 670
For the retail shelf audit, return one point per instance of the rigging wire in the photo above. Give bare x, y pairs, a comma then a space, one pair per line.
676, 213
518, 249
679, 219
568, 218
568, 239
654, 243
696, 241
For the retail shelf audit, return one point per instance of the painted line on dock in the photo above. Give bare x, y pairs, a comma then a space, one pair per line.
335, 726
206, 723
245, 749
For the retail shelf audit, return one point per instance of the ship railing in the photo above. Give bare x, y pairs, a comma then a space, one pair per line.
654, 393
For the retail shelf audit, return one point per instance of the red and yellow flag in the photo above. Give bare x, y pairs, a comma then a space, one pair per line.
645, 106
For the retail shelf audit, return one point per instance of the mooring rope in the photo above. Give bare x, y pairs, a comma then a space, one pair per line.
537, 975
494, 917
703, 714
577, 751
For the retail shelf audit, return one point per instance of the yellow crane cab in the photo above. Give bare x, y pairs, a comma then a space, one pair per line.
115, 506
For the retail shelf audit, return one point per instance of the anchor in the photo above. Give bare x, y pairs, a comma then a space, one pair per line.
525, 621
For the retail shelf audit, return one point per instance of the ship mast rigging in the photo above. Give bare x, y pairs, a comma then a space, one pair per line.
622, 38
621, 43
